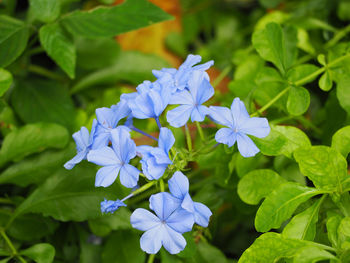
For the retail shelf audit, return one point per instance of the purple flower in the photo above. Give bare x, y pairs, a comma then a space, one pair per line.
156, 159
115, 160
178, 78
239, 124
165, 228
83, 141
110, 206
191, 101
179, 187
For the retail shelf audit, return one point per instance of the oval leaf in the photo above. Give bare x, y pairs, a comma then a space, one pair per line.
40, 253
341, 141
5, 81
325, 82
298, 101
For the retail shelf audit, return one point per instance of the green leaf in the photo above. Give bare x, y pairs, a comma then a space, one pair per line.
208, 254
121, 245
343, 92
258, 184
68, 195
103, 225
332, 224
43, 100
303, 225
300, 72
270, 3
298, 101
325, 82
45, 10
35, 169
5, 81
270, 247
59, 46
40, 253
112, 21
312, 254
14, 36
276, 45
96, 53
281, 204
341, 141
131, 66
323, 165
344, 227
32, 138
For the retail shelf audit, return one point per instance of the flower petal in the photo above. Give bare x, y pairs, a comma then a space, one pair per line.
221, 115
101, 138
107, 117
199, 113
123, 145
239, 112
173, 241
226, 136
179, 116
103, 156
152, 169
129, 175
166, 139
143, 219
75, 160
106, 175
195, 83
151, 240
206, 91
181, 97
258, 127
181, 221
178, 185
202, 214
81, 138
163, 204
246, 146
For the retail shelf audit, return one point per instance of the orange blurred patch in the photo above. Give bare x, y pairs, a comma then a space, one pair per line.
151, 39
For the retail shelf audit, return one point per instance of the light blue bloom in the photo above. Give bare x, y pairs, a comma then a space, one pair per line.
83, 143
110, 206
178, 78
165, 228
115, 160
155, 160
107, 119
191, 101
179, 187
239, 124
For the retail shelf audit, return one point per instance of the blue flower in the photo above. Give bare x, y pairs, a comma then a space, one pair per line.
110, 206
107, 119
115, 160
155, 160
179, 187
191, 101
83, 141
239, 124
150, 101
178, 78
165, 228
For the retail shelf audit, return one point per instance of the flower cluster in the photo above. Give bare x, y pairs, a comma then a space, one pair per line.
110, 146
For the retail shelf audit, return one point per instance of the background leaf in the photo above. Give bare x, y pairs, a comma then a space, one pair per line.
5, 81
40, 253
298, 101
45, 10
341, 141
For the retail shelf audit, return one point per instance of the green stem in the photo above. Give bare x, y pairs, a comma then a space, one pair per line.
161, 184
151, 258
6, 201
144, 187
13, 249
222, 75
44, 72
188, 138
338, 36
200, 131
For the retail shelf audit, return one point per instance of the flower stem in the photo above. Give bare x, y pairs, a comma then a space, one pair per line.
338, 36
151, 258
44, 72
200, 131
13, 249
144, 188
161, 184
158, 123
143, 133
188, 138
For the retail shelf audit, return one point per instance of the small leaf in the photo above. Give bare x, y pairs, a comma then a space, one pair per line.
32, 138
303, 225
298, 101
323, 165
112, 21
5, 81
344, 227
325, 82
321, 58
207, 253
14, 36
40, 253
332, 224
341, 141
59, 46
45, 10
272, 144
258, 184
299, 72
312, 254
343, 92
281, 204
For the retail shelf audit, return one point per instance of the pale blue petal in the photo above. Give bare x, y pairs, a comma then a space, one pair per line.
144, 150
221, 115
110, 206
144, 87
163, 204
166, 139
123, 145
154, 170
181, 221
179, 116
93, 131
143, 219
239, 112
151, 240
101, 139
195, 84
173, 241
206, 91
202, 214
106, 175
81, 138
129, 175
187, 203
121, 109
204, 66
178, 185
190, 61
107, 117
103, 156
258, 127
246, 146
141, 106
75, 160
160, 156
181, 97
226, 136
157, 103
199, 113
